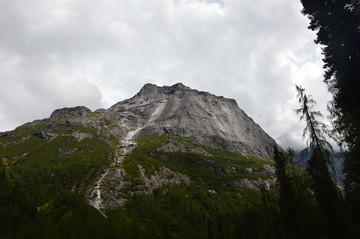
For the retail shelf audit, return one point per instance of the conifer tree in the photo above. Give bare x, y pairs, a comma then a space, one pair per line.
337, 23
326, 194
289, 206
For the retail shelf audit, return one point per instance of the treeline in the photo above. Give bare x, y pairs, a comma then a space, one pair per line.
188, 211
310, 204
291, 210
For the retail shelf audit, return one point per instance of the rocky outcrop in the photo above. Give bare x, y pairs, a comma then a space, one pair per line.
162, 177
172, 146
113, 188
66, 113
107, 191
257, 184
64, 153
80, 135
44, 135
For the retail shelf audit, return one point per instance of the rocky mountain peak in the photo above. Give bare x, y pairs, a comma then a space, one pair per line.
78, 111
182, 111
154, 91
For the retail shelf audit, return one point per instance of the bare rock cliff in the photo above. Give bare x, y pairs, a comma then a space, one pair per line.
211, 120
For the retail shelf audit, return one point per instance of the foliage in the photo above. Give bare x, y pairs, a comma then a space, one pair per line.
338, 31
326, 194
288, 202
43, 181
215, 170
42, 166
314, 128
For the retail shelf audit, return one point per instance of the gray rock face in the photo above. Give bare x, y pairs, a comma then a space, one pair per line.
78, 111
80, 136
111, 190
174, 146
256, 184
44, 135
181, 111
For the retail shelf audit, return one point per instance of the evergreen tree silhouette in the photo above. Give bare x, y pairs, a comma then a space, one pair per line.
337, 23
326, 194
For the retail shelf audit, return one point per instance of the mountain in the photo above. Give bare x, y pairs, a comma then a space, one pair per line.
335, 167
181, 111
189, 155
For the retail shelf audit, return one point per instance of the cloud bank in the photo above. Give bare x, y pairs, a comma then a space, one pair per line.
63, 53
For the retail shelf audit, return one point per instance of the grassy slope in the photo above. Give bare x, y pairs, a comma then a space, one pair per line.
211, 171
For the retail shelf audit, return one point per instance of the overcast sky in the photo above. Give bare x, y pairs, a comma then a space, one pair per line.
63, 53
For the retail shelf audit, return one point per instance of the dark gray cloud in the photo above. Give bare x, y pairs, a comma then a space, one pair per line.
64, 53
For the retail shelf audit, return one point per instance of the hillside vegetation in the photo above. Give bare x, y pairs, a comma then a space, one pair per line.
45, 177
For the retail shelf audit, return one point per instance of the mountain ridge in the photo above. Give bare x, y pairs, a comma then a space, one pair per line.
176, 110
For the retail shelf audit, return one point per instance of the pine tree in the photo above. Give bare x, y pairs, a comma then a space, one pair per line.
327, 196
289, 205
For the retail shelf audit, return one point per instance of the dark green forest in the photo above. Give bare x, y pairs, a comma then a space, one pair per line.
42, 195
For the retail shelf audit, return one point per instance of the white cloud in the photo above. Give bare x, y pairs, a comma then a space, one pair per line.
64, 53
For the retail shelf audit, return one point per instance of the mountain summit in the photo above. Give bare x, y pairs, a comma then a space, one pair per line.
181, 111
